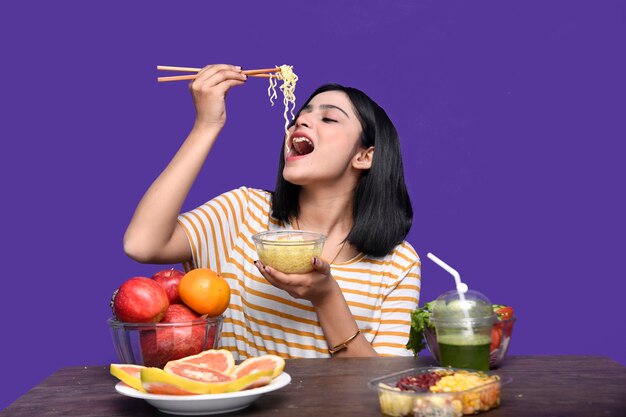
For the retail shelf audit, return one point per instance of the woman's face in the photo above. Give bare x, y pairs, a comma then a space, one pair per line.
324, 140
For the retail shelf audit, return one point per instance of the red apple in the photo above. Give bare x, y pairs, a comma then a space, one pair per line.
169, 280
140, 300
168, 343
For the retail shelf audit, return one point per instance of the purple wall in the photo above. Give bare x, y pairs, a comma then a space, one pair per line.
511, 119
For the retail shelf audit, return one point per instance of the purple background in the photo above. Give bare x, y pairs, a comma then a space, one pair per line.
511, 118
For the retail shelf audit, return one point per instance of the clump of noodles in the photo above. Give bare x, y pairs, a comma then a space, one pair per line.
288, 88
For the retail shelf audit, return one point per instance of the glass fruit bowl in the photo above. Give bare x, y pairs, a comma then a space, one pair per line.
500, 341
289, 251
155, 344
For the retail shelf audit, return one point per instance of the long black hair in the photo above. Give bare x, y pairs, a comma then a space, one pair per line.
382, 211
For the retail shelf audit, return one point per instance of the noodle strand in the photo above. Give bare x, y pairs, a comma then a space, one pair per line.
288, 89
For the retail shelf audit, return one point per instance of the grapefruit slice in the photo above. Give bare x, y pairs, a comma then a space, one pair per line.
216, 360
196, 372
128, 374
157, 381
254, 379
265, 362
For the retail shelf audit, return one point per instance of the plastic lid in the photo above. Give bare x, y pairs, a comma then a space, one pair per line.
453, 306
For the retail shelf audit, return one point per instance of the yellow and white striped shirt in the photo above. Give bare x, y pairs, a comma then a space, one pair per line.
262, 319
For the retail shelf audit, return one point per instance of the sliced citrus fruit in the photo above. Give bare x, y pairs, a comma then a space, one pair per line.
196, 372
157, 381
217, 360
273, 362
254, 379
128, 374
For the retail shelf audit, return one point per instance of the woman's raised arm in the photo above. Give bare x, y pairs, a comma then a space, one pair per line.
154, 235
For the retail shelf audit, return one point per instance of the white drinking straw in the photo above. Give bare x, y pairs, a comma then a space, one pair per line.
461, 287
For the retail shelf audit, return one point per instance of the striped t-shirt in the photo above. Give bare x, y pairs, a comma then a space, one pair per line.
262, 319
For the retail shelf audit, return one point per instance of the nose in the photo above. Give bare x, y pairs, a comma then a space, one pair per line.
303, 120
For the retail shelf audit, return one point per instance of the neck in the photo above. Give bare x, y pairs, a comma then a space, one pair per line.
326, 212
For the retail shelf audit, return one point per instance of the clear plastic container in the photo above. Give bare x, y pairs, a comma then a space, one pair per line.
482, 396
289, 251
498, 351
463, 322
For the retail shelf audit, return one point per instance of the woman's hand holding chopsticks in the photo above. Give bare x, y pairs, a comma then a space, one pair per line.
209, 90
154, 234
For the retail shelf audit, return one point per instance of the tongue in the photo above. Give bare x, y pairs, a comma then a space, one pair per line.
303, 148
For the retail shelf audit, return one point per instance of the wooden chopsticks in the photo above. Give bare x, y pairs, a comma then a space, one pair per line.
259, 73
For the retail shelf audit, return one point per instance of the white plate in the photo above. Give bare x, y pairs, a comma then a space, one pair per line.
193, 405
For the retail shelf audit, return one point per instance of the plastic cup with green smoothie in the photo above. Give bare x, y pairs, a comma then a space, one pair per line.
463, 324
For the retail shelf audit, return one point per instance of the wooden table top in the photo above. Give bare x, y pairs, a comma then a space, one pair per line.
560, 385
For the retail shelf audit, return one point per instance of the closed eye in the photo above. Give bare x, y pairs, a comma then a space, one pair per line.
328, 120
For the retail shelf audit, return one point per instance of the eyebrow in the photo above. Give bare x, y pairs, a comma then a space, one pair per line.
308, 108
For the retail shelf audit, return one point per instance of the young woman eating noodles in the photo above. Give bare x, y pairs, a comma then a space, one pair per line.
340, 174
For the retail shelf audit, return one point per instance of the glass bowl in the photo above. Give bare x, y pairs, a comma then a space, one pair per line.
500, 341
289, 251
484, 394
155, 344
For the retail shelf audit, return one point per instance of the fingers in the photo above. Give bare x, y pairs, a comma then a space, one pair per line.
268, 274
220, 77
310, 286
210, 70
214, 75
276, 278
320, 266
209, 90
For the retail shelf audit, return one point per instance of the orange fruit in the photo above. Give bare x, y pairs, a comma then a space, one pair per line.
205, 292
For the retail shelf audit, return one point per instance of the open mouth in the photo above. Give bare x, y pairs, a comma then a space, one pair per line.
299, 146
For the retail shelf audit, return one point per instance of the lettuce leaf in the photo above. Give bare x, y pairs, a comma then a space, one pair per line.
419, 321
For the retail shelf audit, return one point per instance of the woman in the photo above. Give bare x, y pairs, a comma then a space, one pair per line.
340, 174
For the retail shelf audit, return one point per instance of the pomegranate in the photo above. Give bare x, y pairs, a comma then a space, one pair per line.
169, 280
140, 300
167, 343
179, 313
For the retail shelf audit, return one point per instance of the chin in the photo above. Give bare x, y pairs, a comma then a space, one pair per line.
297, 176
294, 179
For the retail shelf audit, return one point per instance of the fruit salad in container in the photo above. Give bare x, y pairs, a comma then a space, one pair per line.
437, 392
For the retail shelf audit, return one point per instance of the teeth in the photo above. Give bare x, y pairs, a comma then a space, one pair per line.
289, 146
301, 139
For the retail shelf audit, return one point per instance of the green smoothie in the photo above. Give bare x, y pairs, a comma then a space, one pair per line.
465, 352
